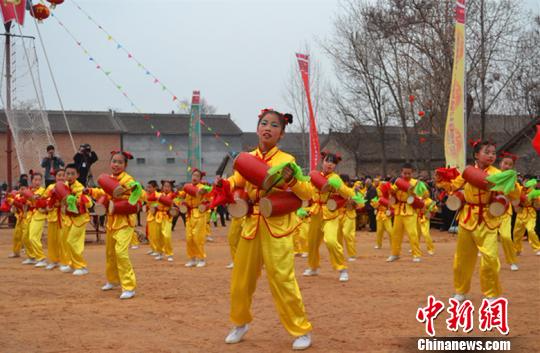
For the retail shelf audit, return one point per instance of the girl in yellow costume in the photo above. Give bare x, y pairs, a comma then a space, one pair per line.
163, 220
38, 216
505, 230
267, 241
233, 236
196, 221
152, 228
120, 230
424, 224
526, 217
77, 217
54, 223
325, 224
300, 235
383, 216
405, 218
19, 209
477, 229
348, 228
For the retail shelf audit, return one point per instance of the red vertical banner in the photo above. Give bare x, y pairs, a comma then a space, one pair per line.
13, 10
314, 147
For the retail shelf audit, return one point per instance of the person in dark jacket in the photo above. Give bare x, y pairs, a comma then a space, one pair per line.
84, 160
51, 164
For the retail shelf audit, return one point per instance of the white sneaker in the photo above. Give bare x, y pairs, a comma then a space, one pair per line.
170, 258
29, 262
392, 258
302, 342
351, 259
514, 267
376, 247
109, 286
13, 255
431, 252
538, 253
191, 263
201, 263
210, 239
150, 252
51, 266
310, 272
343, 276
127, 294
416, 259
41, 263
236, 334
66, 269
304, 255
159, 257
459, 297
229, 266
80, 272
134, 247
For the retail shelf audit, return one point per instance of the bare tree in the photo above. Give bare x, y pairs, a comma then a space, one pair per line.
206, 108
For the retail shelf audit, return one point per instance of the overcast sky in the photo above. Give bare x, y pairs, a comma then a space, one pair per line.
239, 53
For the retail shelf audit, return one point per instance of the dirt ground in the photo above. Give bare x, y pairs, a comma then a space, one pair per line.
180, 309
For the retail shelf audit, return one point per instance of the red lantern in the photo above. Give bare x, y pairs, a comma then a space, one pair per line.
421, 113
40, 12
411, 99
55, 2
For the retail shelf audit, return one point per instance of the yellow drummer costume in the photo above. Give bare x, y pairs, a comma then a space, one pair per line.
383, 217
196, 226
233, 234
526, 220
21, 225
347, 220
119, 229
153, 228
163, 227
268, 242
300, 235
38, 216
477, 231
424, 224
54, 229
76, 225
325, 225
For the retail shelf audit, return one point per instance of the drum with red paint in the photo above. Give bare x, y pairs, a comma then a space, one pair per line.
455, 201
335, 202
279, 203
498, 205
191, 189
255, 170
403, 185
166, 200
476, 177
241, 205
122, 207
101, 205
319, 181
110, 185
415, 202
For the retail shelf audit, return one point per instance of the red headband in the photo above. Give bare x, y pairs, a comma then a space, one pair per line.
474, 143
505, 154
203, 174
124, 153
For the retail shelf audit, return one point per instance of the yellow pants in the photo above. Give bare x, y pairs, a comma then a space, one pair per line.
348, 234
519, 230
17, 237
75, 241
233, 235
35, 232
384, 226
328, 231
277, 256
118, 267
65, 252
405, 224
196, 237
468, 244
300, 238
25, 225
134, 239
53, 241
505, 232
166, 238
153, 236
423, 231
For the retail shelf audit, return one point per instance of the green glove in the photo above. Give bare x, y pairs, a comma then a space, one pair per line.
207, 188
375, 199
533, 195
531, 183
277, 168
359, 199
298, 175
335, 182
302, 213
71, 201
136, 192
420, 188
503, 181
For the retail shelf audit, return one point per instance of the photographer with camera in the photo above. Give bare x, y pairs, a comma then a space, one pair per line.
84, 160
51, 163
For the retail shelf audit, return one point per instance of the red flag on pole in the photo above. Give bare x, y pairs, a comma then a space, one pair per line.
13, 10
536, 140
314, 147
